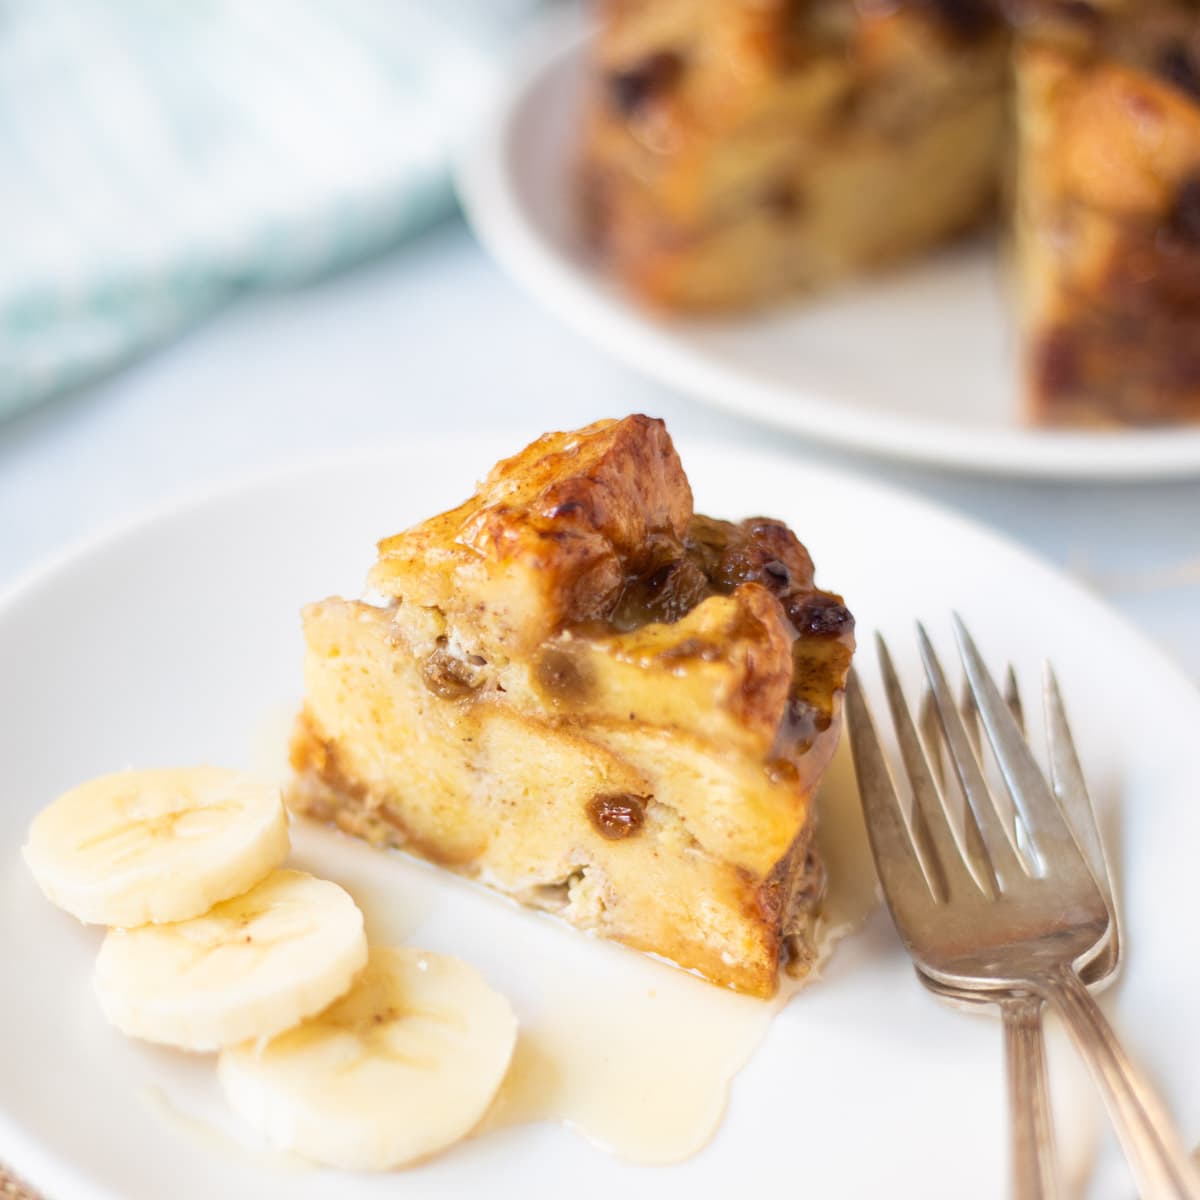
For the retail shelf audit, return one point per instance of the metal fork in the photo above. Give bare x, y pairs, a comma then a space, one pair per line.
1010, 914
1033, 1164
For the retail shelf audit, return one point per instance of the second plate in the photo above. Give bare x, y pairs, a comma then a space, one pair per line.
916, 365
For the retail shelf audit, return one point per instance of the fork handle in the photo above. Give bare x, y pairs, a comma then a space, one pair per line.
1153, 1146
1033, 1167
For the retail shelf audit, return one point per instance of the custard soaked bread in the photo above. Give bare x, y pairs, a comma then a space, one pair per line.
590, 698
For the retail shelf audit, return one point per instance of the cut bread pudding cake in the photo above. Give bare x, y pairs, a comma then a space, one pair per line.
580, 692
735, 152
739, 150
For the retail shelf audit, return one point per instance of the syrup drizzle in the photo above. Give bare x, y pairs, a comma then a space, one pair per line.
632, 1054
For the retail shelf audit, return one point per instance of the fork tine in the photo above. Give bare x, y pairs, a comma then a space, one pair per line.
1002, 800
931, 735
1022, 776
999, 840
970, 711
932, 830
970, 716
1012, 697
957, 810
1066, 778
893, 848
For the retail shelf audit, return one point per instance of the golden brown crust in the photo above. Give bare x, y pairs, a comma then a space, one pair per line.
549, 537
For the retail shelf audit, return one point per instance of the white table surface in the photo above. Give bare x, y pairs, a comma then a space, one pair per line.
435, 338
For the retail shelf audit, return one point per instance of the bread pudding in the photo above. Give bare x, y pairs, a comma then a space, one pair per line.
576, 690
739, 151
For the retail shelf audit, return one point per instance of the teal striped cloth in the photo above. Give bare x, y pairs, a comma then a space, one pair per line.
158, 157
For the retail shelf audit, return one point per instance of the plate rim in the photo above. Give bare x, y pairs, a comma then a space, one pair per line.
490, 201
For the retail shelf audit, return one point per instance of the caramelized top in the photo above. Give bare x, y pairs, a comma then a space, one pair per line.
591, 536
549, 538
716, 558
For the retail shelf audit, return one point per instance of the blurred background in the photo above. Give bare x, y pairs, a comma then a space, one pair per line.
230, 240
159, 160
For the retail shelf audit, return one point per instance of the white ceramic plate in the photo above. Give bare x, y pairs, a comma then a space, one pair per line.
170, 641
918, 365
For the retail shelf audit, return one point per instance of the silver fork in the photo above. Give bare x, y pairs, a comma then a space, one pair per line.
1033, 1163
998, 917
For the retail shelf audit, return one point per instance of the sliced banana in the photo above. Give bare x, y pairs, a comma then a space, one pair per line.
404, 1064
164, 845
254, 966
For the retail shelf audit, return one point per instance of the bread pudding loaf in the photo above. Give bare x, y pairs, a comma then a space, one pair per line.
578, 691
1109, 215
739, 150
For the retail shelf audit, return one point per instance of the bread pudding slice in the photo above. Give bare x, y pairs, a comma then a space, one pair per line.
739, 150
578, 691
1109, 215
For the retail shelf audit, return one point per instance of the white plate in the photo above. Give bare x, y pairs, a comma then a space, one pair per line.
917, 365
169, 641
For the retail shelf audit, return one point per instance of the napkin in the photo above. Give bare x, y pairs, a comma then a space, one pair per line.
159, 157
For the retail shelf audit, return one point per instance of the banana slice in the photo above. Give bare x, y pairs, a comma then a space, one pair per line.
143, 846
404, 1064
253, 967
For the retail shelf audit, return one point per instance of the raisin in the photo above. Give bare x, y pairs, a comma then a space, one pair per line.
1081, 11
560, 675
820, 615
617, 815
782, 200
1057, 364
1185, 216
780, 770
763, 551
965, 19
450, 677
707, 539
1178, 66
778, 573
665, 593
631, 89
